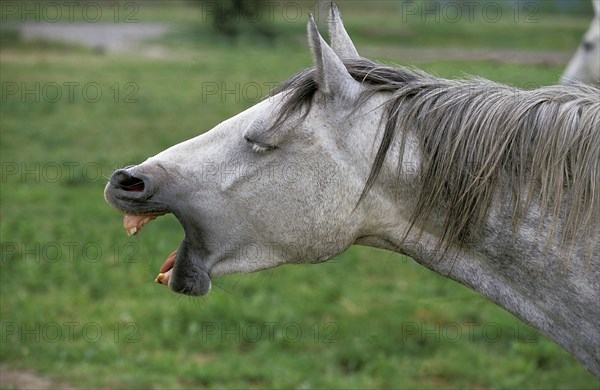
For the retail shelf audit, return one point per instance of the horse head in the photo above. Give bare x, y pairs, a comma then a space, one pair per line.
584, 67
262, 188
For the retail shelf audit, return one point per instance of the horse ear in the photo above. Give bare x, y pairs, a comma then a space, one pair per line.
340, 40
331, 75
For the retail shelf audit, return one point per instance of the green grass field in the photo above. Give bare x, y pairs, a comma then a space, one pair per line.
78, 301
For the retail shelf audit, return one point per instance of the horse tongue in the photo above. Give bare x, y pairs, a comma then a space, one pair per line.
166, 269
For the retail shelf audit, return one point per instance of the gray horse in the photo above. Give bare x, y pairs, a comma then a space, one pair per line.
494, 187
584, 67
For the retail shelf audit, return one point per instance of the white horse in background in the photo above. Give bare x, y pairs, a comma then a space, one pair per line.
584, 67
494, 187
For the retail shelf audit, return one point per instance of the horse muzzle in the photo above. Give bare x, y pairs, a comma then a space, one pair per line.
137, 194
134, 192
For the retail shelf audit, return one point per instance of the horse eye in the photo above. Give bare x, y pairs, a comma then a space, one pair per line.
587, 45
259, 147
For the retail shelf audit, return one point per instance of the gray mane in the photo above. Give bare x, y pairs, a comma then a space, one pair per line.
477, 136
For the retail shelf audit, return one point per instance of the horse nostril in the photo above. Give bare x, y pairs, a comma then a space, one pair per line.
123, 180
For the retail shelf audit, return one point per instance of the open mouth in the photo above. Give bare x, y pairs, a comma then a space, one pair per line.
183, 270
133, 224
137, 195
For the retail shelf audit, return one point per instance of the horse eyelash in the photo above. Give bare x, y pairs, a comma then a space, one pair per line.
259, 147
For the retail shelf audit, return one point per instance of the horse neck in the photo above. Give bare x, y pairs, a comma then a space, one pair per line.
512, 266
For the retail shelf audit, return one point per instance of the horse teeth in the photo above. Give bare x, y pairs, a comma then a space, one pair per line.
131, 231
159, 278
